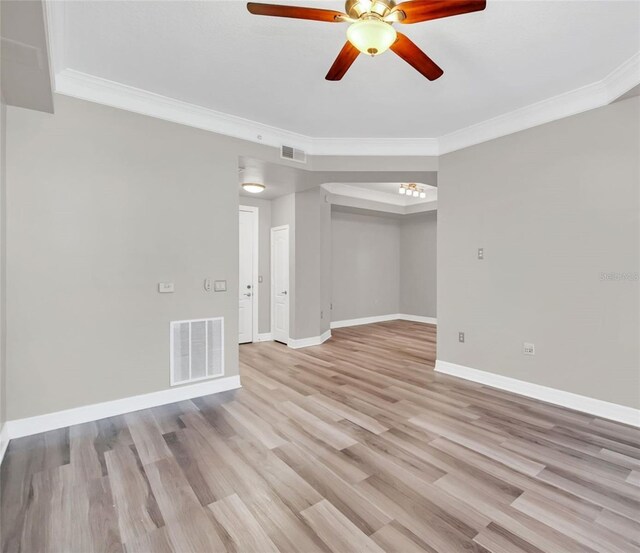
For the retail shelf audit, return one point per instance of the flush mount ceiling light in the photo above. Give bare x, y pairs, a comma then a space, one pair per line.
253, 187
251, 180
371, 29
412, 190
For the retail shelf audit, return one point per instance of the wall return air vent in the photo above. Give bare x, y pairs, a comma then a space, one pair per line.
293, 154
197, 349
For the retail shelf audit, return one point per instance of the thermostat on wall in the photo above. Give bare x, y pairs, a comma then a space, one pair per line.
219, 285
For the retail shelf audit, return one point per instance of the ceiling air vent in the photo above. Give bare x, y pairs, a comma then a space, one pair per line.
293, 154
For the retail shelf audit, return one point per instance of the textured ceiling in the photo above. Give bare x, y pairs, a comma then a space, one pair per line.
271, 70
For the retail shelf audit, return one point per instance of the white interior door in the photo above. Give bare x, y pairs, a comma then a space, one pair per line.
248, 267
280, 284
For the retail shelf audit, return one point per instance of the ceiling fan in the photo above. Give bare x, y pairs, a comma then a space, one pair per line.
371, 28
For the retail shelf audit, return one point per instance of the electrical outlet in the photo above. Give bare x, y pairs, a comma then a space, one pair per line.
461, 337
528, 348
480, 253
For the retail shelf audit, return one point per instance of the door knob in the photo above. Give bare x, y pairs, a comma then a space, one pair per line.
248, 294
284, 293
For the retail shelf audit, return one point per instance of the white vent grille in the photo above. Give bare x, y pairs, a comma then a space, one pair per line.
197, 349
293, 154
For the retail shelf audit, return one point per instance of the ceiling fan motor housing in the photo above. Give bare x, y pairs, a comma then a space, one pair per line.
357, 8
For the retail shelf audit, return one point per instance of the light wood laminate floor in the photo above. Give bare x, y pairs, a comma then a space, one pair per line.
352, 446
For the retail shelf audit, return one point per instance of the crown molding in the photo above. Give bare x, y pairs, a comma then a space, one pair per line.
95, 89
592, 96
55, 29
622, 79
110, 93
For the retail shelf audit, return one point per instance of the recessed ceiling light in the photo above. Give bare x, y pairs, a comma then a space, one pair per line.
253, 187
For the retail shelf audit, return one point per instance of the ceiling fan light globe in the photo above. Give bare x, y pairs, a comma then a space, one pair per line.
402, 190
423, 195
371, 36
253, 187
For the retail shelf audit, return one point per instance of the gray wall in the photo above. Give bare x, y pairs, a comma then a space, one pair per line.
383, 264
3, 265
264, 260
365, 266
307, 265
554, 207
102, 205
418, 259
326, 262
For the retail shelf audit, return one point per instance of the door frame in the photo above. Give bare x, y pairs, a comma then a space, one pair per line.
255, 303
273, 280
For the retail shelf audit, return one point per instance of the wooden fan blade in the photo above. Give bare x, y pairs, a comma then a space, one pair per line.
295, 12
415, 57
416, 11
345, 58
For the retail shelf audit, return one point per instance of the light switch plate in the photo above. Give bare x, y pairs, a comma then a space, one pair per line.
207, 284
165, 287
219, 285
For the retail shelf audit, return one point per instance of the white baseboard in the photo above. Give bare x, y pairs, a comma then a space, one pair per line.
364, 320
265, 337
596, 407
383, 318
418, 319
87, 413
4, 441
306, 342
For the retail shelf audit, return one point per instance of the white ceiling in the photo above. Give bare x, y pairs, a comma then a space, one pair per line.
271, 70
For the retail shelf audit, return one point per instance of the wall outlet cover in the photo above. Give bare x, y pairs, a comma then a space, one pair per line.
165, 287
528, 348
461, 337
